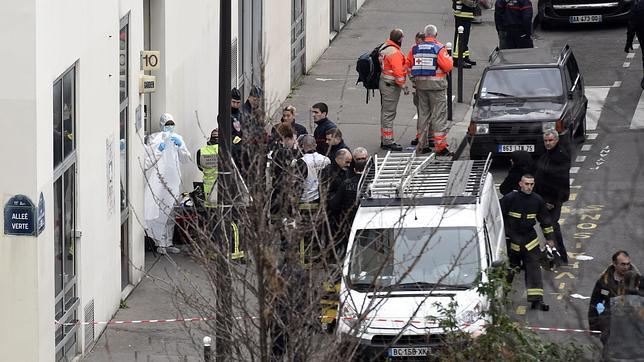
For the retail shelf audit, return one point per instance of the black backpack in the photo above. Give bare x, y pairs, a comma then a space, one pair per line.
368, 68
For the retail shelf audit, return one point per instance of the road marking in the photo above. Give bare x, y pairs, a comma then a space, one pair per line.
618, 83
596, 100
591, 136
521, 309
572, 180
630, 55
586, 147
580, 159
573, 197
638, 117
626, 64
565, 274
574, 169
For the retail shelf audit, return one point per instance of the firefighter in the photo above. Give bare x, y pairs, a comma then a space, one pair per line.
513, 21
207, 162
430, 62
463, 16
521, 210
392, 81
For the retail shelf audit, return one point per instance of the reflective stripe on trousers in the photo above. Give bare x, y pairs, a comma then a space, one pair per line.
389, 97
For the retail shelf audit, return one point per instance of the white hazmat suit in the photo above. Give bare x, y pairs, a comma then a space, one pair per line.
163, 176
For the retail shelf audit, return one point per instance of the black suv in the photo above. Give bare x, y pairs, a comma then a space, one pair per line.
583, 11
522, 93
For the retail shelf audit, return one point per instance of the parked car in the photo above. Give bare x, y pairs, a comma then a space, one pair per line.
425, 234
583, 11
522, 93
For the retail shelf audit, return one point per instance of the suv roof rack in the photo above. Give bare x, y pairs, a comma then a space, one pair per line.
423, 180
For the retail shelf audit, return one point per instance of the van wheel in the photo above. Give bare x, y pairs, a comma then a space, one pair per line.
580, 132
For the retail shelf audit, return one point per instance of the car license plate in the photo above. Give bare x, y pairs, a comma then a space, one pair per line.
408, 351
512, 148
585, 19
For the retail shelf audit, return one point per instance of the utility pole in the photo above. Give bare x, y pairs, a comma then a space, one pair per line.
225, 197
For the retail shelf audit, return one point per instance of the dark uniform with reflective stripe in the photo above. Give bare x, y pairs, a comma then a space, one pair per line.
521, 211
463, 15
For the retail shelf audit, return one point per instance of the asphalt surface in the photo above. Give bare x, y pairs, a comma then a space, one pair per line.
606, 207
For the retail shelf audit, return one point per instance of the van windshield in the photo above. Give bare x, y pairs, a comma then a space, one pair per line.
521, 83
415, 258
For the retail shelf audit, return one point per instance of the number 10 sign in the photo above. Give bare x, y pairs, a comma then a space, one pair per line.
150, 59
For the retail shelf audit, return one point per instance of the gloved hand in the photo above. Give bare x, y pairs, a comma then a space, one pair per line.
600, 308
176, 141
161, 147
628, 47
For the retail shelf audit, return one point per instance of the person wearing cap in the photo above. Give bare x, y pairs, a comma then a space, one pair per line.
164, 151
236, 128
254, 136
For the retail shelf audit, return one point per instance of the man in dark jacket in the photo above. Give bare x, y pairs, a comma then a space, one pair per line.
552, 182
625, 340
608, 286
344, 205
335, 173
636, 27
323, 124
513, 20
335, 142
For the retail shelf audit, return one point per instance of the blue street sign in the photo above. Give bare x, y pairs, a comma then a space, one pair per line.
20, 216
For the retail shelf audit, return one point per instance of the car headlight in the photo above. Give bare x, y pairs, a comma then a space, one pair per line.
468, 318
547, 126
482, 128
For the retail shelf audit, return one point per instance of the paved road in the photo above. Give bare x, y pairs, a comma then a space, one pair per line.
606, 209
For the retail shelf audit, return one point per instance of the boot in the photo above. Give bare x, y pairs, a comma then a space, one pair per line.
540, 305
469, 61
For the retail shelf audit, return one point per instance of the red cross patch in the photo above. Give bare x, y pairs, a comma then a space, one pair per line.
418, 61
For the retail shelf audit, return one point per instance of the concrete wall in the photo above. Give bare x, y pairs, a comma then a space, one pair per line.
19, 304
277, 52
317, 30
190, 53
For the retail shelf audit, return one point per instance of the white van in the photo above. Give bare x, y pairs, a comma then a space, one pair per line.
424, 235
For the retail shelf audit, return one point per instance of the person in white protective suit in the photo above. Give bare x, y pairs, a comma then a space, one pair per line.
164, 153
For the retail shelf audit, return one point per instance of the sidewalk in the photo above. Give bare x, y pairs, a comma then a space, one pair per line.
156, 298
332, 80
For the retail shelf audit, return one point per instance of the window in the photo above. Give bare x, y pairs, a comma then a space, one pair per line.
393, 258
526, 83
66, 302
124, 159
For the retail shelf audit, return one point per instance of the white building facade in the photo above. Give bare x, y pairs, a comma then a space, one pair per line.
74, 129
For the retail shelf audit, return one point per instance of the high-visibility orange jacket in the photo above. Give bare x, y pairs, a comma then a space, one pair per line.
443, 59
392, 62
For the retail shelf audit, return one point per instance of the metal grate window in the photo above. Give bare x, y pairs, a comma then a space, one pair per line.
234, 52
